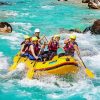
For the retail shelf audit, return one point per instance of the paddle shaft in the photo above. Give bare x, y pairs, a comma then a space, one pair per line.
18, 60
88, 72
46, 38
35, 63
82, 61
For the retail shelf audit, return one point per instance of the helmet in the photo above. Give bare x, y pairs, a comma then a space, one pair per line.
34, 38
26, 37
56, 36
72, 36
37, 30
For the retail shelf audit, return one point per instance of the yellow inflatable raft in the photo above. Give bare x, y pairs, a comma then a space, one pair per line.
58, 65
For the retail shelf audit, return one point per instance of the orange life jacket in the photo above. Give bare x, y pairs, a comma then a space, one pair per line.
53, 46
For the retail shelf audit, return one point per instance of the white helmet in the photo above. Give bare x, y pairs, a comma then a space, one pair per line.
37, 30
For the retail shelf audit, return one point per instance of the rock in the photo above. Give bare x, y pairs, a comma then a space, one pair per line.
93, 5
5, 27
62, 30
87, 29
62, 0
95, 29
4, 3
75, 30
85, 1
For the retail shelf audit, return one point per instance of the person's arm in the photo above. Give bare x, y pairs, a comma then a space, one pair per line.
66, 41
49, 43
77, 49
33, 53
41, 38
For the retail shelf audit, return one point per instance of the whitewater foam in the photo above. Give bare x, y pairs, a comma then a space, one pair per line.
3, 61
47, 7
4, 14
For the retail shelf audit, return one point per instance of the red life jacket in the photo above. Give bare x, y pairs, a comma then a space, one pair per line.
53, 46
69, 47
36, 49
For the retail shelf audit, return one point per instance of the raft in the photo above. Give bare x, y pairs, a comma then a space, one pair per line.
57, 66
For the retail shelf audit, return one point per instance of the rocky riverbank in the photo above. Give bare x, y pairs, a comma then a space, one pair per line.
92, 4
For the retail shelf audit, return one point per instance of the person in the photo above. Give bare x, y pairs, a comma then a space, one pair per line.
71, 46
37, 34
53, 46
25, 46
34, 49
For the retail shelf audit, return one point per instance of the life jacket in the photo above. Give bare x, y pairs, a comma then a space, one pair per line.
53, 46
36, 48
26, 47
70, 47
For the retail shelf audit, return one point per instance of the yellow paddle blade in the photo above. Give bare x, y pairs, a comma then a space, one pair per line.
13, 67
30, 74
89, 73
15, 59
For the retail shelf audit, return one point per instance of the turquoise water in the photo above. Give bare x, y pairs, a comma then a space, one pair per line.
49, 16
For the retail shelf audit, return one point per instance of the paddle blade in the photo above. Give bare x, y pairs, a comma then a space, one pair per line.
30, 74
89, 73
13, 67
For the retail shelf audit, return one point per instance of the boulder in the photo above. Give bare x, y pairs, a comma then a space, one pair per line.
95, 29
62, 30
85, 1
4, 3
87, 29
62, 0
5, 27
75, 30
94, 5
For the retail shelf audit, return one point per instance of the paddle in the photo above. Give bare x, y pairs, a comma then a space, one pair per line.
14, 65
88, 72
30, 73
16, 61
46, 38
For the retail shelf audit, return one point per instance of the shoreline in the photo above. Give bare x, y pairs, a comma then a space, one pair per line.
77, 2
